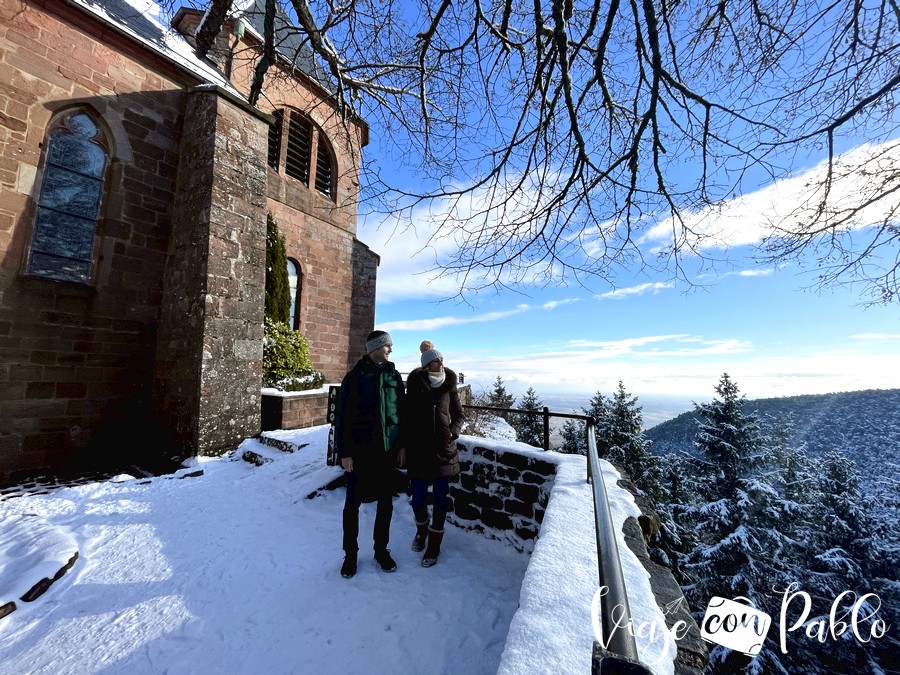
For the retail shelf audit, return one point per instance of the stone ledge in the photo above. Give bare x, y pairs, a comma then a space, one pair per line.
502, 491
692, 651
36, 555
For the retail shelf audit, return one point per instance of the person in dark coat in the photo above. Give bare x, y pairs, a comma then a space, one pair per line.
432, 425
368, 441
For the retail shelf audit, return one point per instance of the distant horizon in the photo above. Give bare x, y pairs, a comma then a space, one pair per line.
655, 408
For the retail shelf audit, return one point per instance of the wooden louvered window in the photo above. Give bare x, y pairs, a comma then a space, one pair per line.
299, 142
324, 169
292, 141
275, 139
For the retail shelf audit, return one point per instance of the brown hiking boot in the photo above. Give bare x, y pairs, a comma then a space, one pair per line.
435, 538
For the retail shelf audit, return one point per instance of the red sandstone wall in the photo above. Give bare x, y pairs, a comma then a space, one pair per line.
320, 233
75, 357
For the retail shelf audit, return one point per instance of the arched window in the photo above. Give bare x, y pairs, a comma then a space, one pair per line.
292, 141
62, 243
295, 282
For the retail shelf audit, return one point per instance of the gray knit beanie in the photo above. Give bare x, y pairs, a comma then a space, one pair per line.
378, 339
430, 355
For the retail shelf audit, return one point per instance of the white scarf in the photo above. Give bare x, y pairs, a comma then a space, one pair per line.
437, 379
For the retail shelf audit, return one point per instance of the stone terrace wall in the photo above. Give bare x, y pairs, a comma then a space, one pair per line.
294, 410
502, 490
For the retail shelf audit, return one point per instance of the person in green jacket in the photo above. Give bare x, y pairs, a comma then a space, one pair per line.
368, 442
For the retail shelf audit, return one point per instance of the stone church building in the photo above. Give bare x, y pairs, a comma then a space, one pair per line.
135, 181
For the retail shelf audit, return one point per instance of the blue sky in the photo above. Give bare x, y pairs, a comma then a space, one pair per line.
662, 339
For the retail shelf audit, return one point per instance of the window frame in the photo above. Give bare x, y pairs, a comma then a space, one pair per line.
61, 123
296, 292
318, 150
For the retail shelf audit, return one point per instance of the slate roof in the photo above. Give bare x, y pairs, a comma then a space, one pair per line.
289, 41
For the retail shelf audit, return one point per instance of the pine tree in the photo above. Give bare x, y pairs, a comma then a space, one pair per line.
530, 427
500, 398
741, 548
620, 439
278, 291
884, 554
844, 523
597, 407
575, 432
574, 438
673, 541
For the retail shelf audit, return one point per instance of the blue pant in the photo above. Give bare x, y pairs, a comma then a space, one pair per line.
440, 490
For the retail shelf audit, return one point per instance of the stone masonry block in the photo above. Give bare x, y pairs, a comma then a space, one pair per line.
519, 508
515, 460
496, 519
529, 494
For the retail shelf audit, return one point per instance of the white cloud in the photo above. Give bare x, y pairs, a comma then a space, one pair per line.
416, 244
683, 346
640, 289
692, 375
767, 272
445, 321
411, 255
876, 336
748, 219
623, 346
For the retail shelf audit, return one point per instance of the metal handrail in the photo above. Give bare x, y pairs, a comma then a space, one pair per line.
617, 638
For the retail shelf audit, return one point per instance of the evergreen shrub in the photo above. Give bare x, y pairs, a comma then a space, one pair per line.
286, 362
278, 290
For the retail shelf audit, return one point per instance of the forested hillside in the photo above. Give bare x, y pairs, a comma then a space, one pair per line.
762, 496
864, 425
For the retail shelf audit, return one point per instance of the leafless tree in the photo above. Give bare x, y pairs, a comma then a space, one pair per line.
549, 136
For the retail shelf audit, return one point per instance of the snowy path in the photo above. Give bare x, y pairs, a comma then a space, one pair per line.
236, 571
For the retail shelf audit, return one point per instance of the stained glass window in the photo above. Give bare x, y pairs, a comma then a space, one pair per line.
69, 204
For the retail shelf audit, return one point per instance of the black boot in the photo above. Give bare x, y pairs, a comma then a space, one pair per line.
384, 559
435, 538
348, 569
421, 537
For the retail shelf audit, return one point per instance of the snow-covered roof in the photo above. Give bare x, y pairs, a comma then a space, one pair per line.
141, 21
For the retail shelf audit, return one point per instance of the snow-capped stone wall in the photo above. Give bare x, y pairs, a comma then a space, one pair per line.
541, 502
500, 491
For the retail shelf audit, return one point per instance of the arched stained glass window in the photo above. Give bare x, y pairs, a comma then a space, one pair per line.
62, 244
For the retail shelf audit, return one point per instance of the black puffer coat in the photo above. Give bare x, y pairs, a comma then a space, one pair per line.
367, 416
431, 426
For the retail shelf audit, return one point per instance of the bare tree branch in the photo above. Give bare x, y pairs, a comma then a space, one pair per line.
549, 138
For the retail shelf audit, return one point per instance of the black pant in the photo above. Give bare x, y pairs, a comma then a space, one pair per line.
383, 513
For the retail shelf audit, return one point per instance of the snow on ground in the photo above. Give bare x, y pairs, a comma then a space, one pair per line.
236, 571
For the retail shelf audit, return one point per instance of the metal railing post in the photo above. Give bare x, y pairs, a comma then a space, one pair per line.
618, 640
546, 428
